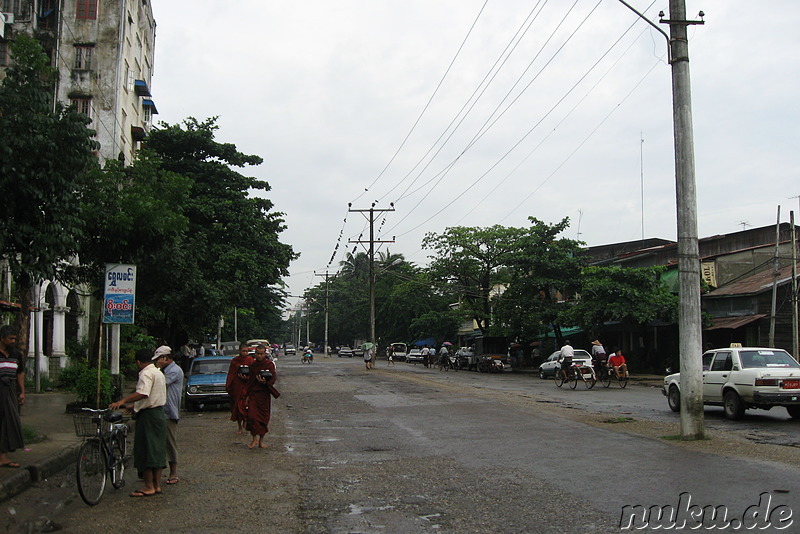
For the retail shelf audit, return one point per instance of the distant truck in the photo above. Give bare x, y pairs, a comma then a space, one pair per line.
399, 352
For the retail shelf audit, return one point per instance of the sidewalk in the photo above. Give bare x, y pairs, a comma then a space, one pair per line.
46, 413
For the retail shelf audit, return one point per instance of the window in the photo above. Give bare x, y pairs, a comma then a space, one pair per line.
83, 57
20, 8
147, 111
84, 105
3, 53
722, 362
86, 9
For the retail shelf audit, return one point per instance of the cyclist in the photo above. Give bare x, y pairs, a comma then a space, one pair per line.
617, 361
565, 357
598, 355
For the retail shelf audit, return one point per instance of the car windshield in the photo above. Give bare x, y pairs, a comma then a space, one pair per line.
767, 359
211, 367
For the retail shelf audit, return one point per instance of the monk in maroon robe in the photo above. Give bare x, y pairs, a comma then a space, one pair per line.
236, 386
259, 398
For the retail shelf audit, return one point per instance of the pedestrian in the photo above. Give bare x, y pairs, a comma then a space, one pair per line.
187, 356
173, 376
150, 438
444, 357
390, 355
12, 395
259, 396
236, 385
368, 358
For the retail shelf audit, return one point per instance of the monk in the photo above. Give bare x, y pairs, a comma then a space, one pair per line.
259, 390
236, 386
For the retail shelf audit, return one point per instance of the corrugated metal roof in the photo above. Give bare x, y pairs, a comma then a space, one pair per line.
734, 322
753, 285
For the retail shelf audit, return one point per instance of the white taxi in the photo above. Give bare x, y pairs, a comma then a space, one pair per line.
738, 378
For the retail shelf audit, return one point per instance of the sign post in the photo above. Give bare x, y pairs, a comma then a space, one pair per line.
119, 299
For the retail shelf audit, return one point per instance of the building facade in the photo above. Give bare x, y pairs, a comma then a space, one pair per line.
104, 53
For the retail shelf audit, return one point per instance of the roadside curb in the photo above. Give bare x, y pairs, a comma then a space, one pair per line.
37, 472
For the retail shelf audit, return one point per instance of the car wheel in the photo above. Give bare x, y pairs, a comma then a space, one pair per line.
541, 374
191, 407
734, 407
794, 411
674, 399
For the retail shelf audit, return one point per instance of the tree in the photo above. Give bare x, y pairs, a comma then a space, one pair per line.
472, 261
230, 255
543, 271
45, 153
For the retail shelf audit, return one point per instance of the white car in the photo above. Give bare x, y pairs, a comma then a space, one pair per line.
739, 378
549, 366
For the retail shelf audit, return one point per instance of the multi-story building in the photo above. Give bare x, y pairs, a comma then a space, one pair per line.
103, 50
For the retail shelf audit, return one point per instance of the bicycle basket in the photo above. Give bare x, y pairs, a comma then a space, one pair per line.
86, 425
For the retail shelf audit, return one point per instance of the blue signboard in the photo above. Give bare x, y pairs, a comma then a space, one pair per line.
120, 293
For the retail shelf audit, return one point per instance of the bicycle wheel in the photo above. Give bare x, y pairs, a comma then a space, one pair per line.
623, 382
574, 376
605, 378
590, 380
559, 378
90, 471
119, 447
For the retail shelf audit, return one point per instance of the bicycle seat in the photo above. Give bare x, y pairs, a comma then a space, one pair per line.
113, 417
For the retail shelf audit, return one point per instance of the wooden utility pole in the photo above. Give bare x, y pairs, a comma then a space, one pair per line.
795, 343
371, 218
776, 270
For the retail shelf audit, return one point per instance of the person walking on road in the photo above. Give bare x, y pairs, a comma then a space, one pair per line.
259, 397
12, 395
173, 376
236, 385
150, 438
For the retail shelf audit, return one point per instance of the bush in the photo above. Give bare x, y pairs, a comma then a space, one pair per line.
82, 381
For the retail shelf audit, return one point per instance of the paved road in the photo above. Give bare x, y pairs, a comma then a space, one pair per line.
411, 450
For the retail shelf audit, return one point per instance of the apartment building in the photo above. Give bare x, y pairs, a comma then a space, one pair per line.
103, 50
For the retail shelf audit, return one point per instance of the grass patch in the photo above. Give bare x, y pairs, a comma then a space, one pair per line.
30, 435
619, 420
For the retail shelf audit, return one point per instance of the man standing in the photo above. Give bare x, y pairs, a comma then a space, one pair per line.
259, 390
12, 395
149, 443
173, 376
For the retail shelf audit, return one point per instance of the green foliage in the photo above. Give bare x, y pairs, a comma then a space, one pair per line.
45, 156
441, 325
82, 381
627, 295
77, 351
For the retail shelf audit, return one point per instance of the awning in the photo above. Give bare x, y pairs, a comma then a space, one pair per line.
148, 102
140, 88
733, 323
137, 133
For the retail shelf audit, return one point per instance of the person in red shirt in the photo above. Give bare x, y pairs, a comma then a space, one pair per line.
617, 361
236, 385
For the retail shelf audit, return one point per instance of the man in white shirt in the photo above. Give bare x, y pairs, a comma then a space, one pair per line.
149, 444
567, 353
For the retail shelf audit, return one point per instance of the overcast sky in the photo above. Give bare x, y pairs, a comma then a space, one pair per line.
475, 113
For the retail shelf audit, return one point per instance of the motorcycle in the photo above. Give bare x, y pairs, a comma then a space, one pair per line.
307, 357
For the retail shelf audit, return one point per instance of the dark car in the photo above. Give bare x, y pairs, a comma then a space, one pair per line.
205, 383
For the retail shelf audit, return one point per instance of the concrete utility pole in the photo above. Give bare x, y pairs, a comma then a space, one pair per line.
776, 270
371, 218
327, 276
795, 343
689, 322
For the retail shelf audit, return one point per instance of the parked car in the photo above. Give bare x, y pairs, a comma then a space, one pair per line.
414, 356
399, 351
549, 366
345, 351
205, 383
358, 352
738, 378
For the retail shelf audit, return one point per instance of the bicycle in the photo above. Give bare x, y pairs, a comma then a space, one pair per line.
607, 375
576, 373
102, 453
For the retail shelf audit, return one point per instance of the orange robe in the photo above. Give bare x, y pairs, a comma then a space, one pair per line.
237, 388
259, 398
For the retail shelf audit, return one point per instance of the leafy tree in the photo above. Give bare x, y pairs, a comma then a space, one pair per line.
45, 153
230, 254
632, 296
543, 271
473, 262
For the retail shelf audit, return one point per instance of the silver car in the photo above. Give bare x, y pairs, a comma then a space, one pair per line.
549, 366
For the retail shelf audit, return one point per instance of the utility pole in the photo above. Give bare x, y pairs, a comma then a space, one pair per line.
327, 276
795, 343
370, 214
689, 325
776, 268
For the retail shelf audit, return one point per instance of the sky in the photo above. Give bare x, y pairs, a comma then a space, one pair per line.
484, 112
